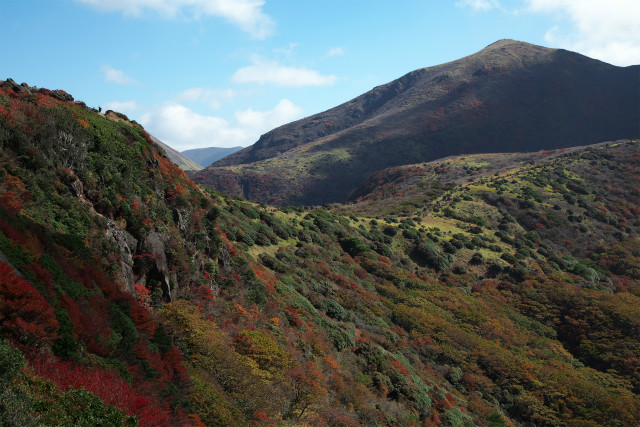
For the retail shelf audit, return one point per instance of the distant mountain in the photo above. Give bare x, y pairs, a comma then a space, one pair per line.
206, 156
511, 96
185, 162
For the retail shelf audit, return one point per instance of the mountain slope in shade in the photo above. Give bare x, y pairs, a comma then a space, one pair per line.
510, 96
177, 157
206, 156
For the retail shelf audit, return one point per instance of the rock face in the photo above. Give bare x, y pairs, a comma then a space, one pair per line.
126, 245
154, 244
509, 97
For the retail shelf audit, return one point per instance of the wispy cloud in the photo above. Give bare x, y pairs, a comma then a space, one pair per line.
183, 129
336, 51
289, 51
214, 98
609, 30
117, 76
479, 5
245, 14
263, 71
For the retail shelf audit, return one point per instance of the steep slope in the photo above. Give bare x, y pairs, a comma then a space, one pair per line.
511, 96
185, 162
133, 297
175, 156
206, 156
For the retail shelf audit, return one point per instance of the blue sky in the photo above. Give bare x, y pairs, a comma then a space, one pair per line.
200, 73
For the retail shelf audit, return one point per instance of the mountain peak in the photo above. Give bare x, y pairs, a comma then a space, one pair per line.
505, 43
511, 96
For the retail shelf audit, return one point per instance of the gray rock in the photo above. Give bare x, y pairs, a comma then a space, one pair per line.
126, 245
154, 244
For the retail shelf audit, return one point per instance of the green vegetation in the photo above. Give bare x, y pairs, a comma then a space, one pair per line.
506, 299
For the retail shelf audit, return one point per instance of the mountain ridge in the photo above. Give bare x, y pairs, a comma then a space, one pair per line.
208, 155
510, 96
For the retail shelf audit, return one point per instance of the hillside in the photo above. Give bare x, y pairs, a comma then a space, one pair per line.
185, 162
173, 155
206, 156
131, 296
509, 97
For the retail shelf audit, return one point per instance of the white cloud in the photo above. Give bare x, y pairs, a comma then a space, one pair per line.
214, 98
246, 14
263, 71
288, 52
479, 5
607, 30
261, 121
335, 51
125, 107
183, 129
117, 76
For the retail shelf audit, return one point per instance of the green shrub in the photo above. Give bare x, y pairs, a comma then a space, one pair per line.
476, 259
353, 246
426, 253
334, 309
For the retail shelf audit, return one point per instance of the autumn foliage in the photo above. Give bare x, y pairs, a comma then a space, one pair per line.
447, 297
24, 314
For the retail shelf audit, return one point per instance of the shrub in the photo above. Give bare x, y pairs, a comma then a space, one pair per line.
476, 259
334, 310
353, 246
390, 230
509, 258
427, 253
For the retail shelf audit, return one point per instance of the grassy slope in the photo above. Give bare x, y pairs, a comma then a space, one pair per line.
473, 313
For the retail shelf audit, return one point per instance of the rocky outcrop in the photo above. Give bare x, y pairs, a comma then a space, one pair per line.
154, 244
58, 94
126, 246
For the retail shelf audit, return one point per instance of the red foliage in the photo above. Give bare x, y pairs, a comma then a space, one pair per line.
384, 260
265, 277
361, 273
107, 385
173, 364
294, 317
142, 319
262, 419
142, 294
14, 194
196, 421
92, 329
401, 368
43, 275
24, 314
153, 358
